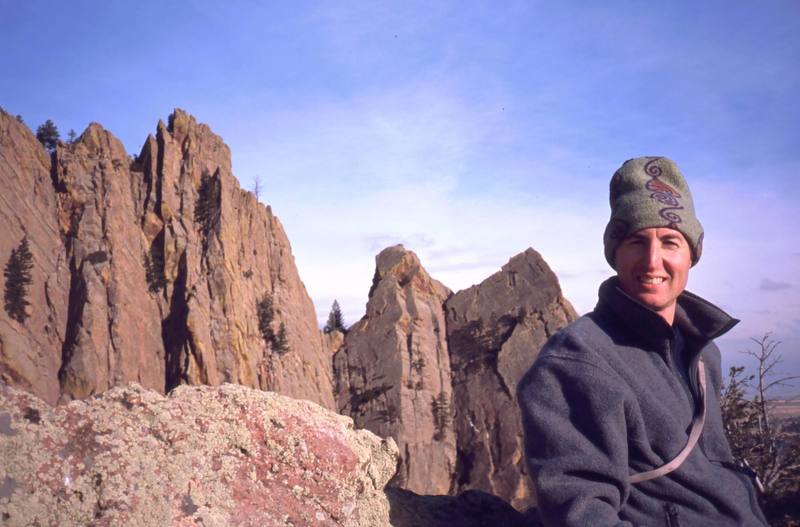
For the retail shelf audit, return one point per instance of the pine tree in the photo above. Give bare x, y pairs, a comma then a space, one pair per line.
207, 207
154, 265
72, 135
277, 342
280, 344
48, 135
18, 278
257, 188
265, 315
335, 320
442, 416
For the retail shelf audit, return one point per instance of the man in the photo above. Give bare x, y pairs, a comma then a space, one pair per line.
621, 408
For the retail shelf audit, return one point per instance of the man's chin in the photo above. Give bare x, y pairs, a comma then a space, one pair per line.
652, 302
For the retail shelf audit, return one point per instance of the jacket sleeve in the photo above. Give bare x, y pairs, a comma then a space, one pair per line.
573, 417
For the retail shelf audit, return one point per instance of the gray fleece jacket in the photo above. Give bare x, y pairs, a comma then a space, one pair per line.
604, 400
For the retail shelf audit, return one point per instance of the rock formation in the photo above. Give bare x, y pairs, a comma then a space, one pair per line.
30, 353
392, 375
495, 330
213, 456
113, 327
160, 270
465, 364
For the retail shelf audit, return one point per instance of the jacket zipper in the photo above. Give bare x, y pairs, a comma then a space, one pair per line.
673, 520
693, 386
692, 389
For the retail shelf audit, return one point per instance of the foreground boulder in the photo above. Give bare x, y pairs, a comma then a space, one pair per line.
211, 456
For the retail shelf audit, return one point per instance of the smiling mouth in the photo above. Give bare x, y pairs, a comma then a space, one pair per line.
652, 280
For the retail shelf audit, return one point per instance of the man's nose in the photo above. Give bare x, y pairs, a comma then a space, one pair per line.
653, 255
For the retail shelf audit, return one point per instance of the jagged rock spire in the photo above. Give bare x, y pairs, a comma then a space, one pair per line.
406, 352
392, 374
150, 269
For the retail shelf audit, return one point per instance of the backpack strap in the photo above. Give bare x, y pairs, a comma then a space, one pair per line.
694, 434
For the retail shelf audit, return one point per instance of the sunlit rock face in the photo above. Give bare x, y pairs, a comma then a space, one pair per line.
392, 375
30, 352
150, 270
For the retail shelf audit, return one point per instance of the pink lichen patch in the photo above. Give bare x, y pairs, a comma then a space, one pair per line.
277, 499
251, 501
327, 446
293, 473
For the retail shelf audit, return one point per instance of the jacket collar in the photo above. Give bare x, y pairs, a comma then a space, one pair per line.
696, 317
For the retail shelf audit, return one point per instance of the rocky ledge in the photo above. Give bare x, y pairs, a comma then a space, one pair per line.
211, 456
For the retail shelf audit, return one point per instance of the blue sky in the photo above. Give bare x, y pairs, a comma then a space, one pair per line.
467, 131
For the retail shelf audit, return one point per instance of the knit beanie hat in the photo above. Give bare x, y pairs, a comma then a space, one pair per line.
650, 192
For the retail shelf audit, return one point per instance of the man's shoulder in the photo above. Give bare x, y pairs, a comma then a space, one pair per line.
580, 350
583, 340
589, 328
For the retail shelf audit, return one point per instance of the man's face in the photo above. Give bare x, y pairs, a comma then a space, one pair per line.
653, 267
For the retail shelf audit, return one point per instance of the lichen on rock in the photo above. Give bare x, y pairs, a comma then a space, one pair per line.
226, 455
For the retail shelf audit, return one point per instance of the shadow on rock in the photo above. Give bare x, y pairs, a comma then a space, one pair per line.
472, 508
